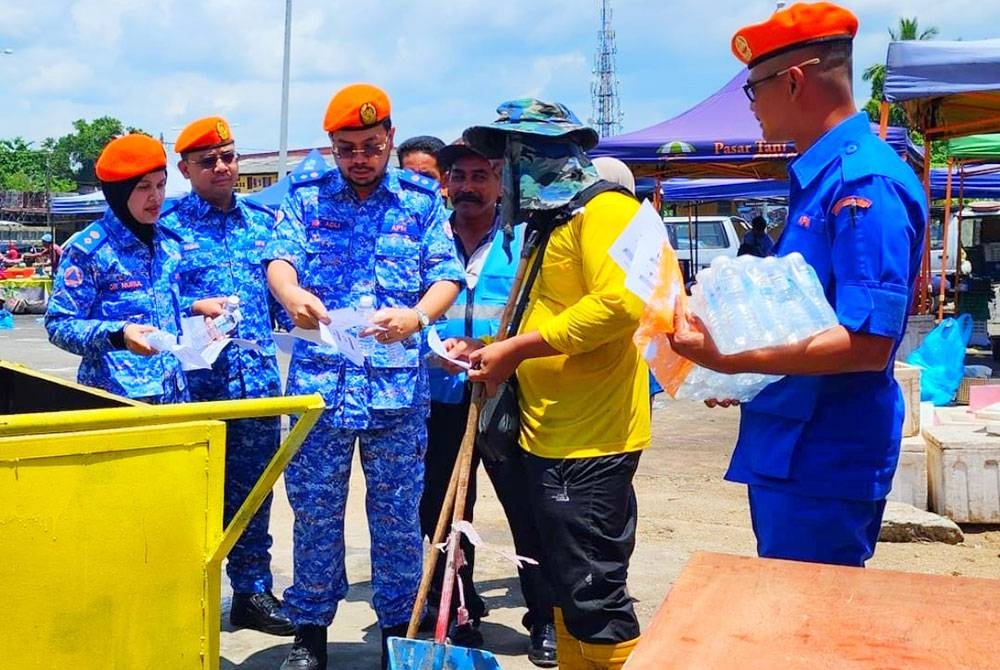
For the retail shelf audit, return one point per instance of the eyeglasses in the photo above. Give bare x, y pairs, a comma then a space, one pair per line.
209, 162
347, 151
750, 88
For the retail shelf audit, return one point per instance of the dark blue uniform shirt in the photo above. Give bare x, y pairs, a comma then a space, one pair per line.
857, 214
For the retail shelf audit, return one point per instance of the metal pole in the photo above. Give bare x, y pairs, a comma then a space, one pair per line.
48, 197
283, 140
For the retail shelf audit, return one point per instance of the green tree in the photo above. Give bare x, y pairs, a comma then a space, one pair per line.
74, 155
23, 168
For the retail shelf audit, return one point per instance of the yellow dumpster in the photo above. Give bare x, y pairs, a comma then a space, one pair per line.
111, 536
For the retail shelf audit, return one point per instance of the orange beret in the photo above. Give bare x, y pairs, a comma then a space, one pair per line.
356, 107
130, 156
791, 28
212, 131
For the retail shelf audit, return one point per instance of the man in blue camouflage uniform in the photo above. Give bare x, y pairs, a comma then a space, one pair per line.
224, 239
818, 448
362, 229
114, 285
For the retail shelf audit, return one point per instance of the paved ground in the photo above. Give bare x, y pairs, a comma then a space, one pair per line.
684, 506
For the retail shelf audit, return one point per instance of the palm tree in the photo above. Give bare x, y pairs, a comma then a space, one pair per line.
906, 29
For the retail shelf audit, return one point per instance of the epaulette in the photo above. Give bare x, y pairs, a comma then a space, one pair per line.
170, 207
311, 169
90, 238
259, 206
419, 182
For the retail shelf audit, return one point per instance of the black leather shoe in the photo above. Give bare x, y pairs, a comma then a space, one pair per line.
391, 631
309, 650
542, 651
260, 611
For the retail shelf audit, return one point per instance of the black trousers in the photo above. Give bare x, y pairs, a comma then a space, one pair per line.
585, 508
445, 428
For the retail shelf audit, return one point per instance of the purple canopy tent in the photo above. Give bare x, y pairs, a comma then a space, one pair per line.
718, 137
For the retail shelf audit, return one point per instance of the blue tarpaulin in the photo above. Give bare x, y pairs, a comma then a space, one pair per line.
950, 88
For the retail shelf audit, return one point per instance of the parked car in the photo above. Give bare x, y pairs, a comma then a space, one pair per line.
699, 240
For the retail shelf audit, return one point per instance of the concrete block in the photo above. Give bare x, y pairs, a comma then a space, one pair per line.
903, 523
909, 484
963, 464
908, 378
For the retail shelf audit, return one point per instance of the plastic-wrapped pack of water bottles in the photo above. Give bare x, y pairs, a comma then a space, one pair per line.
752, 303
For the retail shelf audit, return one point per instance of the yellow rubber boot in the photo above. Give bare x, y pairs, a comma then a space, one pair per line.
567, 647
606, 656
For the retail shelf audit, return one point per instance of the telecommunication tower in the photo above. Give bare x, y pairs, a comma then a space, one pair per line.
604, 90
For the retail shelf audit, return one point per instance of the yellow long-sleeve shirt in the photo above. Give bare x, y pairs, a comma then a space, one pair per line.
593, 400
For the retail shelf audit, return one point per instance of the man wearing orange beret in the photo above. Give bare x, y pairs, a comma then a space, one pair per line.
224, 240
114, 285
362, 235
818, 448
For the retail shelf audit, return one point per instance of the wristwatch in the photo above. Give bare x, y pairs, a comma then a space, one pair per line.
422, 318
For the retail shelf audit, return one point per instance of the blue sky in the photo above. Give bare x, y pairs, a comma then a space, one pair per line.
158, 64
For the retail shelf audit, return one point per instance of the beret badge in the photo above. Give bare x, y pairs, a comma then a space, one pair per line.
368, 114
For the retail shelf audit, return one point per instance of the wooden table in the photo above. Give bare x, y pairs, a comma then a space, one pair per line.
742, 613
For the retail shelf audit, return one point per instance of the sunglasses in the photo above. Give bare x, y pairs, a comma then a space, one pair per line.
750, 87
209, 162
347, 151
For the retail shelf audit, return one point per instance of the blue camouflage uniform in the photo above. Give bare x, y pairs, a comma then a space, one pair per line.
222, 253
393, 244
819, 452
107, 279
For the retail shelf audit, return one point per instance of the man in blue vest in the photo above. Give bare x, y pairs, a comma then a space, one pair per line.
490, 264
818, 448
361, 230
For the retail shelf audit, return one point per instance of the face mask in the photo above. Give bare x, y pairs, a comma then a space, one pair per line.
542, 174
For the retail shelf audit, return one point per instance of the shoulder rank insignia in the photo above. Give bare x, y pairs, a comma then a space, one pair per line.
419, 182
90, 238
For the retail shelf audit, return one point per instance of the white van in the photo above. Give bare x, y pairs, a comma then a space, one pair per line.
978, 221
699, 240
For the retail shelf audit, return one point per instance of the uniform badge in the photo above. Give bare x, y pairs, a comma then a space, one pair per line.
73, 276
742, 47
804, 221
851, 201
222, 129
368, 114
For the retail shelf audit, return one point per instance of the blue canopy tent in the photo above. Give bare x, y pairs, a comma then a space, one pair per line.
949, 89
979, 182
718, 137
272, 196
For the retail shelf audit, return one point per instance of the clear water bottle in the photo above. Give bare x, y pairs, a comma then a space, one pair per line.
226, 322
366, 310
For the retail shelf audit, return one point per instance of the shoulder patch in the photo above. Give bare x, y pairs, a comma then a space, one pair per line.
851, 201
90, 238
420, 182
72, 276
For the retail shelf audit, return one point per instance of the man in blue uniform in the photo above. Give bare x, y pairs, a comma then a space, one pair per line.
490, 265
818, 448
115, 283
224, 239
361, 229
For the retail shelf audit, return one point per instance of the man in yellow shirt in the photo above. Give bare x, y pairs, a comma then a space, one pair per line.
584, 389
